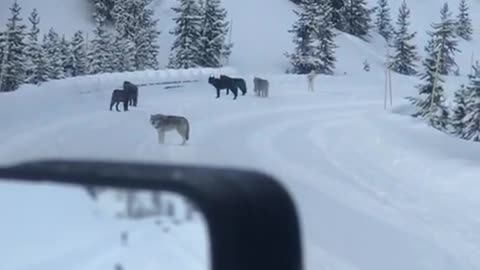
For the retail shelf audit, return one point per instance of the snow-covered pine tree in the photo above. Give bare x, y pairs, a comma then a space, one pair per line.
102, 10
146, 46
464, 23
431, 106
54, 55
187, 35
304, 58
405, 52
337, 6
126, 15
67, 57
472, 118
357, 18
459, 112
33, 50
383, 21
13, 62
79, 54
445, 37
214, 30
100, 56
124, 54
325, 49
3, 54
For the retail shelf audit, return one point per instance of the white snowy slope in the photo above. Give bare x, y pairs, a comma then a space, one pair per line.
375, 189
260, 30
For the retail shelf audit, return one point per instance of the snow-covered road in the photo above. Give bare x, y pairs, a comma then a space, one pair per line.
374, 189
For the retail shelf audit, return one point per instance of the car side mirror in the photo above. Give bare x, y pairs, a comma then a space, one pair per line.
251, 220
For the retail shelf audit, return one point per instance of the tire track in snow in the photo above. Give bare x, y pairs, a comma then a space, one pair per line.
291, 164
407, 199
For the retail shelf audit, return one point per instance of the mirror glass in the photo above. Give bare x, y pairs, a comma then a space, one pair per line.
58, 227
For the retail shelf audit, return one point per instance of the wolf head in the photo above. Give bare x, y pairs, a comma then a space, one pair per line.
156, 120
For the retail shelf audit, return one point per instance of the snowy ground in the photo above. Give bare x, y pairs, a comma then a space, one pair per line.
375, 189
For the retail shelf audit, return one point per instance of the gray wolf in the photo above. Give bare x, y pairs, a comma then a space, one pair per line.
260, 87
117, 97
311, 77
132, 92
163, 123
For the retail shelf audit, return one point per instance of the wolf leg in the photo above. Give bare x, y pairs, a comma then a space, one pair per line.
161, 136
218, 93
116, 106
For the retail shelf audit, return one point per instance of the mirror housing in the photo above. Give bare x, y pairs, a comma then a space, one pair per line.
252, 220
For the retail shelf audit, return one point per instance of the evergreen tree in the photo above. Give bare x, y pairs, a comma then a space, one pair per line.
34, 52
305, 30
13, 62
357, 18
325, 50
100, 56
460, 110
444, 36
3, 55
472, 118
184, 53
431, 106
146, 46
464, 23
213, 47
405, 52
54, 55
66, 57
126, 15
79, 54
102, 10
383, 21
337, 6
124, 55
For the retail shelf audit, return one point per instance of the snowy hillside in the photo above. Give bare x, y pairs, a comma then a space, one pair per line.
376, 189
260, 30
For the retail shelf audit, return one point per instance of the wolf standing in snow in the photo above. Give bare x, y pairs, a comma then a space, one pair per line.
163, 123
260, 87
119, 96
132, 92
311, 77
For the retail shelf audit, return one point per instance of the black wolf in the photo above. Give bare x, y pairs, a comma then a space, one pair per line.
132, 91
220, 85
117, 97
232, 84
238, 82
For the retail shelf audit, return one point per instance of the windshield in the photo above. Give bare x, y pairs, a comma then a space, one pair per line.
368, 111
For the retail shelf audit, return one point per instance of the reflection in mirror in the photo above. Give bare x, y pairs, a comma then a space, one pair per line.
58, 227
